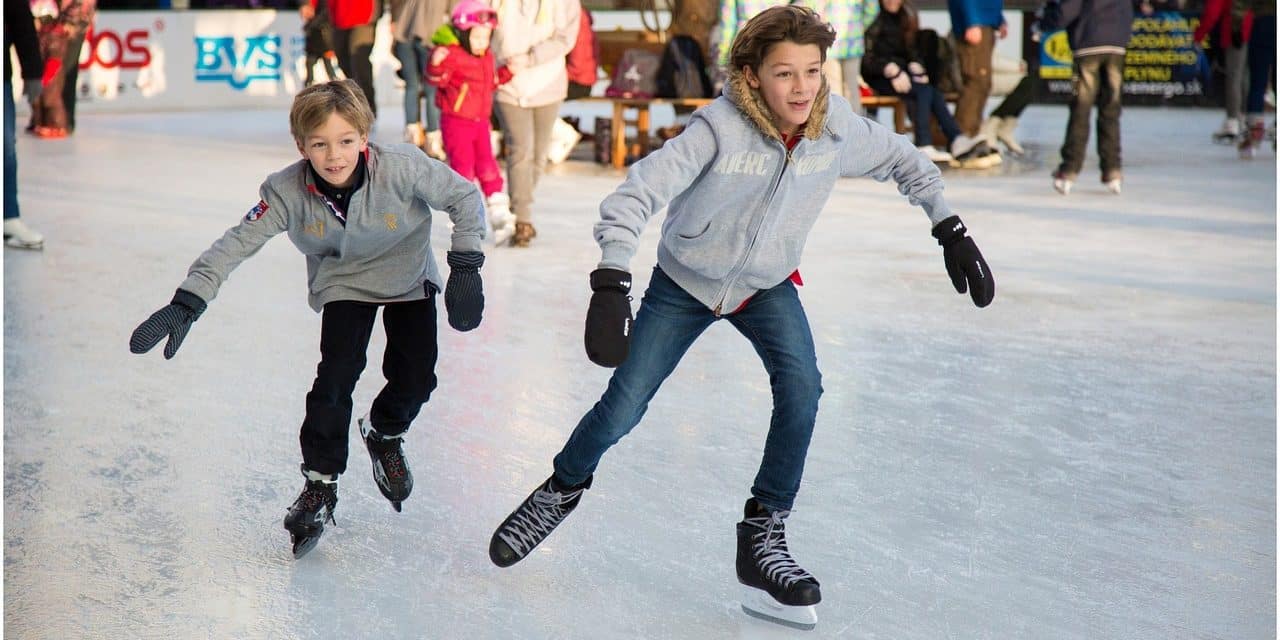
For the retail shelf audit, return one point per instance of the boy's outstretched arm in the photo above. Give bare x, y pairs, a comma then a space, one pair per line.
883, 155
443, 189
206, 275
651, 183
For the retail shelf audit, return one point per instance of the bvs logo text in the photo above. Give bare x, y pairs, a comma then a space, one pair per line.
219, 59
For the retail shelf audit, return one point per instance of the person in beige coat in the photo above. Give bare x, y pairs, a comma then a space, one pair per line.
532, 39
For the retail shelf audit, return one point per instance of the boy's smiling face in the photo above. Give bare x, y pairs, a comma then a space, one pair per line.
789, 78
334, 150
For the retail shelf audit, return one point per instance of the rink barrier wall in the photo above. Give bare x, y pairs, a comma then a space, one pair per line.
138, 61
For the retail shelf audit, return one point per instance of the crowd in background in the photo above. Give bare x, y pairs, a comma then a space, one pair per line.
503, 96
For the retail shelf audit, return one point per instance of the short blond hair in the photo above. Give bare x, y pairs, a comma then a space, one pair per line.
313, 106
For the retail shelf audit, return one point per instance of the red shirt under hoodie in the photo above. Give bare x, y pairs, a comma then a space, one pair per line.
466, 82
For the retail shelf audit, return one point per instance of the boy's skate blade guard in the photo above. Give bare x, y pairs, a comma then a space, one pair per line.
758, 603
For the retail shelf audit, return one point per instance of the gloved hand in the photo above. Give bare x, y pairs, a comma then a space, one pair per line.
464, 293
31, 89
608, 334
174, 321
918, 74
898, 78
965, 265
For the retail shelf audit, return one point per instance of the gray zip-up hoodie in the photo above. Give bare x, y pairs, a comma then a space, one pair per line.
739, 205
382, 254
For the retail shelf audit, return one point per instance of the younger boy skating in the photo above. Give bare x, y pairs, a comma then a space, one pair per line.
361, 213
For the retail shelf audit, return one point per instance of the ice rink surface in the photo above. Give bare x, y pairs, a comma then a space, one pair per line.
1093, 456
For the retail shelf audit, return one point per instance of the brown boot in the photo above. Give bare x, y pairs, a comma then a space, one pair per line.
524, 233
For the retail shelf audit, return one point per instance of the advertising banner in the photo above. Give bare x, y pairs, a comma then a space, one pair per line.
1163, 65
173, 60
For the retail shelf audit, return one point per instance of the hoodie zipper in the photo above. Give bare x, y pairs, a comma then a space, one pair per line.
746, 255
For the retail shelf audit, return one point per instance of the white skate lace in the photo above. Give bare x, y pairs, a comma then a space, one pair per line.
770, 549
536, 519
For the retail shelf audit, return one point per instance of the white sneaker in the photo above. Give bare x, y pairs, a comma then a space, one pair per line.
990, 127
935, 154
963, 145
414, 135
18, 234
501, 220
1006, 134
434, 145
1062, 183
1229, 132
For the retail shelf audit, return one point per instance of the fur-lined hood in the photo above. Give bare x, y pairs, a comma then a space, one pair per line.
752, 104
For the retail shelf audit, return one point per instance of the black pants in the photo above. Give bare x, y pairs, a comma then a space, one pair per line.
408, 365
353, 47
1096, 79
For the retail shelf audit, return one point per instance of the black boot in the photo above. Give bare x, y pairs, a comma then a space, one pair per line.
534, 520
390, 470
314, 506
765, 563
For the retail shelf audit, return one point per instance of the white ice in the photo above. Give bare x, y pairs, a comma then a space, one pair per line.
1092, 456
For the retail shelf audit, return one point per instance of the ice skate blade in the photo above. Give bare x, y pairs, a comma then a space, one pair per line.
759, 604
304, 544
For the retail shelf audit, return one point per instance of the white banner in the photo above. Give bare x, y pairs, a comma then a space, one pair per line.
174, 60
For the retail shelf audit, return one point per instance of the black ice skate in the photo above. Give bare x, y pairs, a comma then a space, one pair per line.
390, 470
777, 589
534, 520
306, 518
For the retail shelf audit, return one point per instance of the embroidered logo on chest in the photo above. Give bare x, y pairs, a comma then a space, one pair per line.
315, 228
390, 219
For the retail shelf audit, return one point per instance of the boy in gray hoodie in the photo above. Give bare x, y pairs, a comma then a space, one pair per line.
742, 185
361, 213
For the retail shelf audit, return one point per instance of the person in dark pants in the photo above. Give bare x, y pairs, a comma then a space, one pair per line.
353, 33
1262, 58
1098, 32
86, 11
361, 213
19, 34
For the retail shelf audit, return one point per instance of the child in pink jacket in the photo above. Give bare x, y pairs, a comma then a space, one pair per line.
462, 69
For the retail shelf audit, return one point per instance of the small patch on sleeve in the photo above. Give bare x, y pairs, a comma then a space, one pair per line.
257, 211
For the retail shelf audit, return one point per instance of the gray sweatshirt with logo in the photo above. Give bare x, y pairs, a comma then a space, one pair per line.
382, 254
739, 204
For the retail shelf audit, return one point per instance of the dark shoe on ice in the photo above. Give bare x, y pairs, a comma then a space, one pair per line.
524, 233
534, 520
390, 470
314, 506
778, 589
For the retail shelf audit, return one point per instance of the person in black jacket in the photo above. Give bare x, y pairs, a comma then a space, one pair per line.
19, 33
1098, 31
892, 65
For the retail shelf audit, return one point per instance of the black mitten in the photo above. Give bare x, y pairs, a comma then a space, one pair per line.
464, 293
608, 335
965, 265
174, 321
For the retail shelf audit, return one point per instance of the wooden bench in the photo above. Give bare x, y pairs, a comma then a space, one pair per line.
618, 144
641, 106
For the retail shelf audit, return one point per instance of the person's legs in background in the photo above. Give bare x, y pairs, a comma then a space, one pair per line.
1084, 93
16, 233
1111, 87
1262, 55
70, 86
411, 73
431, 111
353, 47
852, 83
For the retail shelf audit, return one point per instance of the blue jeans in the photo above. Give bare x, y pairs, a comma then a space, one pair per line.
668, 322
1262, 55
10, 154
925, 101
413, 57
